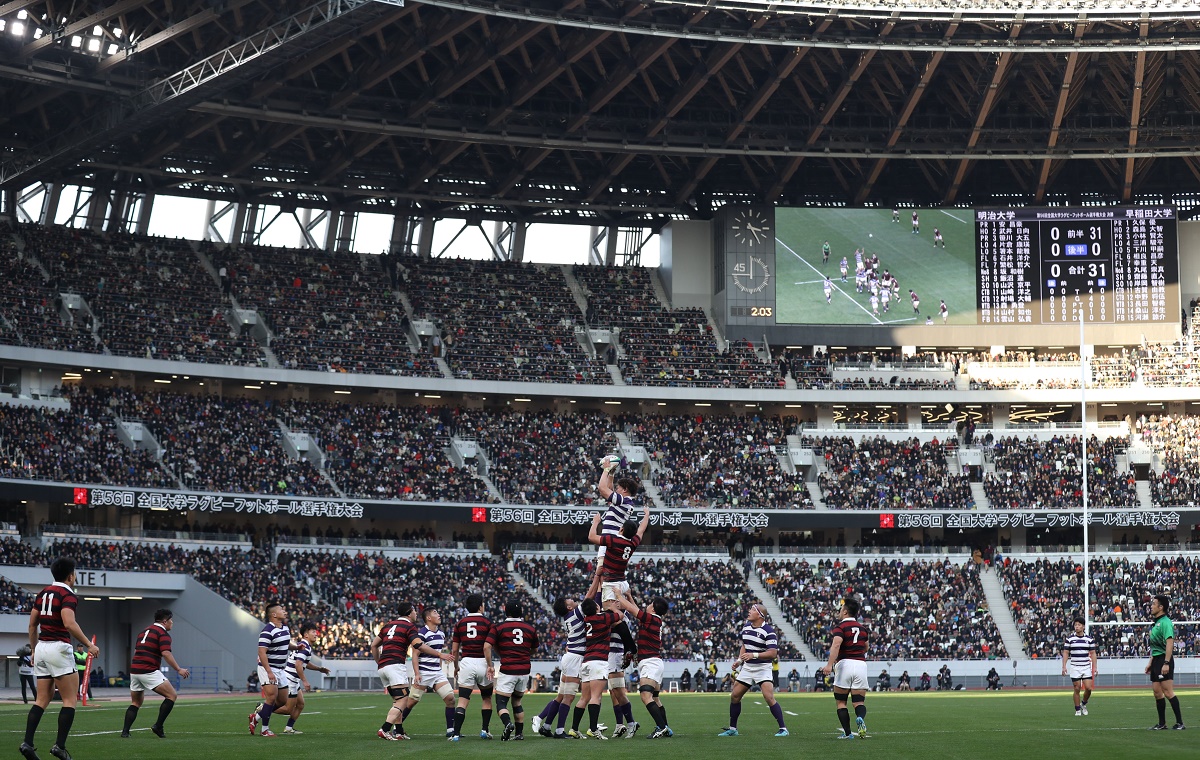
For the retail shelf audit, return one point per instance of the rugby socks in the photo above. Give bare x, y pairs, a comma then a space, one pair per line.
594, 717
31, 723
504, 719
735, 709
663, 709
549, 709
487, 718
460, 714
628, 708
577, 718
450, 717
130, 716
386, 727
66, 717
405, 712
520, 728
265, 713
1161, 704
656, 715
777, 711
165, 709
564, 709
1175, 706
291, 722
619, 712
844, 717
860, 710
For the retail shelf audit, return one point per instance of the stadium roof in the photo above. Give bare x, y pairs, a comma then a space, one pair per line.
603, 112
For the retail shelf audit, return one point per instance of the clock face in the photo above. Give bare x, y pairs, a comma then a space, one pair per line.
751, 227
751, 275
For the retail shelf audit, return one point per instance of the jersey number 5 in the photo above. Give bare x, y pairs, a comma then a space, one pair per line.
472, 631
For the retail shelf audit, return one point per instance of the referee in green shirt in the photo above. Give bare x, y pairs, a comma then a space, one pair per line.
1162, 663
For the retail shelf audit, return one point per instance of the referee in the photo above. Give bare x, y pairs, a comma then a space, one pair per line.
1162, 663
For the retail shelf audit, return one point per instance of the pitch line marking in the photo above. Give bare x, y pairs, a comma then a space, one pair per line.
952, 216
835, 287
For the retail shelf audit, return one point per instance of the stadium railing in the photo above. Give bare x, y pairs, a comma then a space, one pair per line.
139, 533
287, 541
204, 678
866, 551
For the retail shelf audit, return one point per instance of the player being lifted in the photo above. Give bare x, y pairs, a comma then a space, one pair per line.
568, 610
152, 646
515, 641
429, 643
52, 623
847, 663
297, 680
760, 645
1079, 662
389, 649
274, 643
470, 666
620, 499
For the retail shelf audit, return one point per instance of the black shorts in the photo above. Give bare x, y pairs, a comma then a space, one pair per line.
1156, 665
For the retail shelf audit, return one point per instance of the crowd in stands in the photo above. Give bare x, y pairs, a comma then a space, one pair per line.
916, 610
74, 445
721, 460
708, 600
329, 311
151, 297
218, 444
662, 346
810, 371
877, 473
1047, 474
1177, 439
13, 599
31, 310
503, 321
1046, 595
385, 452
539, 457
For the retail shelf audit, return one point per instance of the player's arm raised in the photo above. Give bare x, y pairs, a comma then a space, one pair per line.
69, 622
594, 536
645, 520
605, 486
170, 658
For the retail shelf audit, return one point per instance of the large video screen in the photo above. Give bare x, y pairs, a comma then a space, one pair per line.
1028, 266
926, 252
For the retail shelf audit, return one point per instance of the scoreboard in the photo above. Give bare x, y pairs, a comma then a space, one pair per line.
1047, 266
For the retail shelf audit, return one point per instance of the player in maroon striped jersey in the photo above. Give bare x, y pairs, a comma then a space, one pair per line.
515, 641
618, 550
151, 647
53, 659
847, 663
598, 628
390, 650
470, 668
650, 664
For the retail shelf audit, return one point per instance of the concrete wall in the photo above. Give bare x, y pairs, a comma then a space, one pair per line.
686, 263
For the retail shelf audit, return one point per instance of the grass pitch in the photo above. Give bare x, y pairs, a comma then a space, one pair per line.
945, 725
934, 273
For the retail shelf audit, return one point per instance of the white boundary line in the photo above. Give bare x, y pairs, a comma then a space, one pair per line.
952, 216
808, 282
835, 286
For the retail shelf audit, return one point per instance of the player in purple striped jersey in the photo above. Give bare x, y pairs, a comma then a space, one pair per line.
429, 645
297, 680
760, 645
567, 609
274, 643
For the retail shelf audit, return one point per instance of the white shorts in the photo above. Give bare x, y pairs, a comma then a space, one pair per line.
280, 677
429, 680
294, 686
753, 673
1076, 672
594, 670
53, 659
850, 674
610, 592
394, 675
506, 684
146, 681
571, 664
651, 669
472, 672
615, 660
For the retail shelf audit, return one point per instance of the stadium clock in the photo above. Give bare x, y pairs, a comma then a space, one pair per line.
752, 227
751, 275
